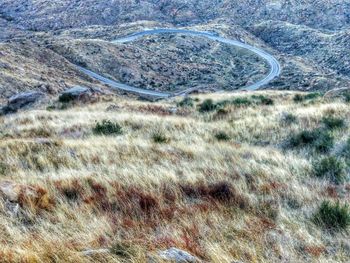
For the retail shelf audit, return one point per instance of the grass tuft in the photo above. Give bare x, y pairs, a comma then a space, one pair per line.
333, 217
330, 168
106, 127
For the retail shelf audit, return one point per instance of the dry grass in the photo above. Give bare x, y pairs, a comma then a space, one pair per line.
249, 198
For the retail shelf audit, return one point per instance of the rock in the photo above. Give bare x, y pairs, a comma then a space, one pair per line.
92, 252
12, 191
176, 255
21, 100
76, 91
79, 93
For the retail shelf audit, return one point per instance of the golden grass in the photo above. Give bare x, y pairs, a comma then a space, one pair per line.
102, 191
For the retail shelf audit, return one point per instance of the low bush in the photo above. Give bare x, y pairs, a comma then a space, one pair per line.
333, 217
123, 250
106, 127
288, 119
241, 101
261, 99
319, 139
207, 106
310, 96
160, 137
330, 168
186, 102
333, 122
347, 96
222, 136
298, 98
66, 98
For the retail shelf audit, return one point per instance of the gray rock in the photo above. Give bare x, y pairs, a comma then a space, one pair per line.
92, 252
21, 100
76, 91
176, 255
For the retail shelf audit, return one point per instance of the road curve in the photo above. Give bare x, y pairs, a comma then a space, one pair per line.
275, 68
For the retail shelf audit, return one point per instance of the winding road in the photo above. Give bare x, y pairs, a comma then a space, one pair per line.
275, 68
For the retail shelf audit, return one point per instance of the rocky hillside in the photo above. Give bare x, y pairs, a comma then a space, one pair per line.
330, 50
45, 14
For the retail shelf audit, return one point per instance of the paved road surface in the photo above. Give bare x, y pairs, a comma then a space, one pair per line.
275, 68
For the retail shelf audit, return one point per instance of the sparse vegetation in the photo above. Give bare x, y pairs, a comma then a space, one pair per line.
186, 102
318, 139
66, 98
139, 194
207, 106
107, 127
160, 137
333, 122
288, 119
330, 168
222, 136
334, 217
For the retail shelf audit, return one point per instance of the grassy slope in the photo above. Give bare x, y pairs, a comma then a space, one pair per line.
130, 192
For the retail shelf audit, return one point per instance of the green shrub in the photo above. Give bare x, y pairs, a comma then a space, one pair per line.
123, 249
207, 106
333, 217
347, 96
298, 98
160, 137
261, 99
324, 143
330, 168
289, 118
107, 127
333, 122
186, 102
310, 96
321, 140
241, 101
313, 95
222, 136
346, 149
66, 97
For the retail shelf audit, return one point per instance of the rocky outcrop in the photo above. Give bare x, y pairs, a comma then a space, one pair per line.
177, 255
78, 93
22, 100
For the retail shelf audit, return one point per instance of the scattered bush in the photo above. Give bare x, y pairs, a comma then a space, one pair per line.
186, 102
263, 100
313, 95
321, 140
160, 137
333, 216
346, 149
222, 136
107, 127
207, 106
310, 96
347, 96
331, 168
66, 98
241, 102
123, 249
298, 98
333, 122
289, 118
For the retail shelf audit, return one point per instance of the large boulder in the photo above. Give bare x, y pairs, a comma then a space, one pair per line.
22, 100
178, 256
78, 93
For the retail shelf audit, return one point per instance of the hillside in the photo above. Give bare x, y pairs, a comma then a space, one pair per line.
234, 181
47, 15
